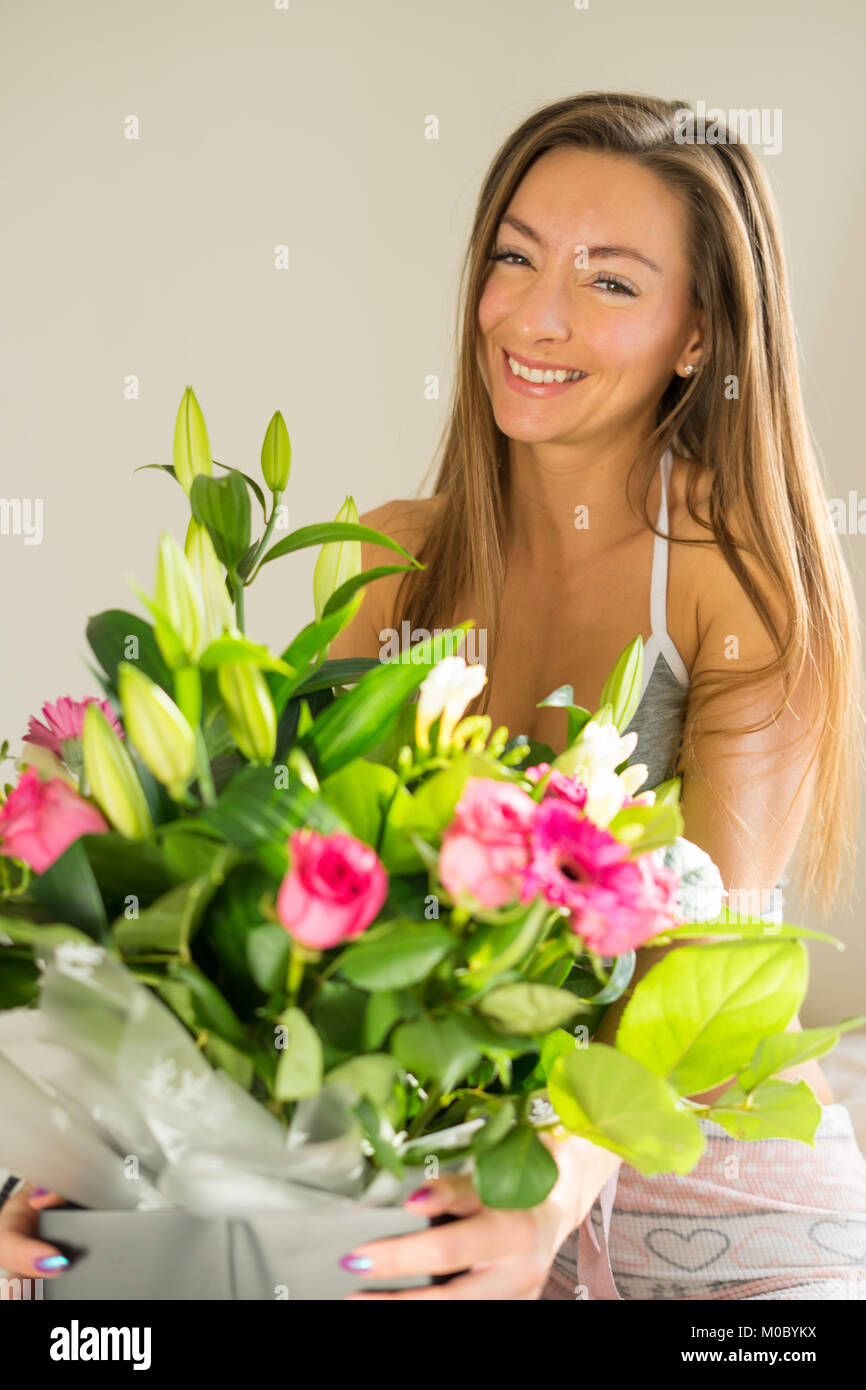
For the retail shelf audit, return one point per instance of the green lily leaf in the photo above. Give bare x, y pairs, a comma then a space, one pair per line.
223, 506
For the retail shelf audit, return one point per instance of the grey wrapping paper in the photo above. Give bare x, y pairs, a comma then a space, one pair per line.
178, 1255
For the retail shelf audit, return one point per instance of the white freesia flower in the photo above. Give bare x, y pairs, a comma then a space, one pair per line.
77, 959
444, 695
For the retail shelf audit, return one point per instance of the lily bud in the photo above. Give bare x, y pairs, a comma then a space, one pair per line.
177, 595
113, 779
219, 614
276, 454
337, 562
191, 444
157, 728
249, 709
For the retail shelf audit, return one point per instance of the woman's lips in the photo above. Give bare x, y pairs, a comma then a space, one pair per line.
541, 390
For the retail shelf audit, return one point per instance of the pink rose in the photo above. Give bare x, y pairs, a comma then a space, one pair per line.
39, 820
64, 723
485, 849
333, 889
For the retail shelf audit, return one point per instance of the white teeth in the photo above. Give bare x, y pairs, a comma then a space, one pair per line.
536, 375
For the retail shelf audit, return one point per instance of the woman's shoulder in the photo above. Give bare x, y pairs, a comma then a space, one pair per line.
705, 573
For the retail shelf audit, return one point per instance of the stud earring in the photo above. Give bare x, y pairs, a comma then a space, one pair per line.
688, 369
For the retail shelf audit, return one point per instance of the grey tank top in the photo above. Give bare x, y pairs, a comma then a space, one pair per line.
658, 719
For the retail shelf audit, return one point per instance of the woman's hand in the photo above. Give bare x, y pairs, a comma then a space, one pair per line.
20, 1249
507, 1253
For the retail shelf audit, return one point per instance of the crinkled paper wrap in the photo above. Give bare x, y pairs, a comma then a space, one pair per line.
105, 1097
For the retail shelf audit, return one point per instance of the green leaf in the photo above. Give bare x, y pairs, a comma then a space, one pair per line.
171, 921
697, 1016
116, 635
215, 1014
516, 1173
123, 867
402, 956
729, 924
19, 980
252, 812
577, 716
300, 1064
338, 1014
229, 1059
69, 891
647, 828
437, 1049
611, 1099
346, 591
228, 648
373, 1075
339, 671
527, 1008
352, 725
384, 1009
360, 792
223, 506
773, 1110
323, 532
268, 948
792, 1049
559, 1043
251, 482
384, 1153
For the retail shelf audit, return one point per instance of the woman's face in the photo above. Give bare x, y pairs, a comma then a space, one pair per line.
590, 275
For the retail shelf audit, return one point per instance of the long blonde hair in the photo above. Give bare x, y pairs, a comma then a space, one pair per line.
757, 448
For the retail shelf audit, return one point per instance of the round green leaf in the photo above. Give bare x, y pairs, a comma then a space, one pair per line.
611, 1099
518, 1172
401, 957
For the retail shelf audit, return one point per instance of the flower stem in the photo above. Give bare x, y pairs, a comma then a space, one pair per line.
205, 779
254, 566
297, 965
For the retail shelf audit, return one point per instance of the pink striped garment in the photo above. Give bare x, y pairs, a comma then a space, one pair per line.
757, 1219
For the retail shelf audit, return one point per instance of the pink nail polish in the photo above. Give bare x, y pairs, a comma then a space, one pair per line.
421, 1194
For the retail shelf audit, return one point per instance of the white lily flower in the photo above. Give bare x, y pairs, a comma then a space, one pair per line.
605, 795
634, 777
444, 695
599, 748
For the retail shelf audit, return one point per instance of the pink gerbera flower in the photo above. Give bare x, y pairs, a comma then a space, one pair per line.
614, 903
61, 732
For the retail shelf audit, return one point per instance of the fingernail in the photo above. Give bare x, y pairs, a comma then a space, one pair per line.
420, 1194
40, 1192
356, 1262
49, 1262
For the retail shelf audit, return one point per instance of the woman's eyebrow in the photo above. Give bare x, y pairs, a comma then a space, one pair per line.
626, 252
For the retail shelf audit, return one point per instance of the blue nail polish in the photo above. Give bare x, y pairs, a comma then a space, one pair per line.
354, 1263
51, 1262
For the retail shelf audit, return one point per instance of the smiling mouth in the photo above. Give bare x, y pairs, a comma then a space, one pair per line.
539, 376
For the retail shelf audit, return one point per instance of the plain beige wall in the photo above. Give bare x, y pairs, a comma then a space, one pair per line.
305, 126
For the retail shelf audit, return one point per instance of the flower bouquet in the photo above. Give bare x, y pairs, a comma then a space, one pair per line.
279, 931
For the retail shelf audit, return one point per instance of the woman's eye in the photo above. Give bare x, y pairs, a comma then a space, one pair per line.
510, 256
618, 286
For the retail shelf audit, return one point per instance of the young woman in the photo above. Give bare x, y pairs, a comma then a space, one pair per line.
626, 318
